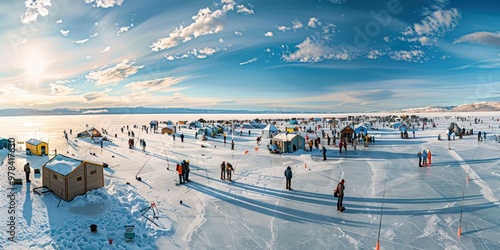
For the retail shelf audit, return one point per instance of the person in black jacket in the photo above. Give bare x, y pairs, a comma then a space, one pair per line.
288, 176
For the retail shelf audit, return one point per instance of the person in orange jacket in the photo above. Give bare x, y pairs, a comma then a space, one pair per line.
179, 170
429, 156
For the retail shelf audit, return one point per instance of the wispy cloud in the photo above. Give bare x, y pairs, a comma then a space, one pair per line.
488, 38
93, 96
58, 89
249, 61
268, 34
162, 84
205, 22
113, 75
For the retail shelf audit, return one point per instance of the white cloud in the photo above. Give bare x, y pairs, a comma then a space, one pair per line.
221, 40
315, 51
58, 89
35, 8
106, 50
488, 38
242, 9
374, 54
93, 96
296, 24
204, 23
124, 29
408, 55
438, 22
105, 3
238, 33
313, 22
268, 34
82, 41
282, 28
203, 53
249, 61
170, 57
424, 40
59, 21
64, 32
94, 35
162, 84
114, 74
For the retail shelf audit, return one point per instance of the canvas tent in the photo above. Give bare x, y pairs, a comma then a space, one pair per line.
453, 128
36, 147
92, 132
288, 143
269, 131
68, 177
4, 143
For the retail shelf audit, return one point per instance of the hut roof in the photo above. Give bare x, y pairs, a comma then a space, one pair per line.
347, 130
34, 142
62, 164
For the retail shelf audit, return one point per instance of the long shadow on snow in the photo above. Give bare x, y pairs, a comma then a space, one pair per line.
447, 210
469, 162
273, 210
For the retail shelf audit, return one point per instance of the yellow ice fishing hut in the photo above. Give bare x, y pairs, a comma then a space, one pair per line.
36, 147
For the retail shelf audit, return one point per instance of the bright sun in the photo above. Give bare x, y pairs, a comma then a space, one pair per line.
34, 64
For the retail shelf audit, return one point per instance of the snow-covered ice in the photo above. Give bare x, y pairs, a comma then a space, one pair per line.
421, 206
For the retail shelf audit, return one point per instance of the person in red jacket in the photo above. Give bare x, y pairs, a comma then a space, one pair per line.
179, 170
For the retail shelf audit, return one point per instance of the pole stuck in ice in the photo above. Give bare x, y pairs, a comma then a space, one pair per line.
377, 246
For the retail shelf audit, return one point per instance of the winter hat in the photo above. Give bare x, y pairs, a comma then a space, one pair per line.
342, 181
289, 167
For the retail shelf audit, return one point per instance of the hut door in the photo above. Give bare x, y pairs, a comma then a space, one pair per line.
43, 150
46, 179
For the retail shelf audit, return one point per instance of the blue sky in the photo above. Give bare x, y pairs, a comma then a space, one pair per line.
272, 55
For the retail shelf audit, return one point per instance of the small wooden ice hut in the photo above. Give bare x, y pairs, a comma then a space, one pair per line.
68, 177
36, 147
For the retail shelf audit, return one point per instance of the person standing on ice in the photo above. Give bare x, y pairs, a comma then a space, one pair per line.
179, 172
27, 170
288, 176
340, 192
186, 170
424, 157
429, 157
223, 170
323, 149
229, 171
419, 154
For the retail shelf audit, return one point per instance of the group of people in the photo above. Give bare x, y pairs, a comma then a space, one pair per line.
424, 158
183, 171
226, 170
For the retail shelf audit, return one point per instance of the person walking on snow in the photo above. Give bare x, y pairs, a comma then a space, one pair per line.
223, 170
27, 170
340, 193
323, 149
288, 176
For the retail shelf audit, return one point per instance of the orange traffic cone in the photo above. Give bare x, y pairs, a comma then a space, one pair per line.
459, 231
305, 165
377, 246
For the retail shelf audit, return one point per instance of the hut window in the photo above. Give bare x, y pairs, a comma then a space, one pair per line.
79, 178
54, 176
93, 172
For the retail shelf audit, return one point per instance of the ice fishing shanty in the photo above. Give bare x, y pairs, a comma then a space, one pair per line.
36, 147
68, 177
